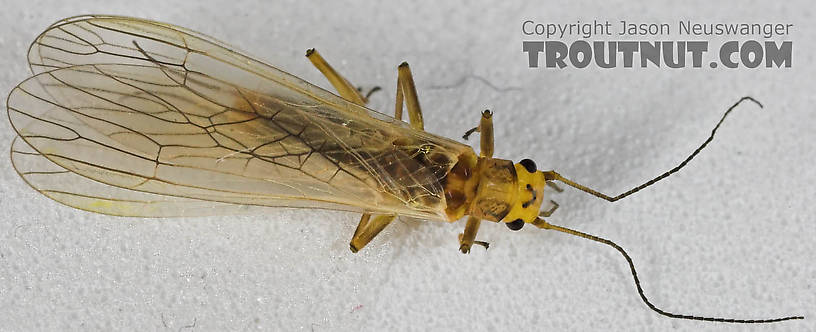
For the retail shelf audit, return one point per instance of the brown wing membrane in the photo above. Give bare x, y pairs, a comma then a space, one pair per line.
162, 110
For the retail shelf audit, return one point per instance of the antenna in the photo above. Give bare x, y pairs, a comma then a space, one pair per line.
540, 223
554, 176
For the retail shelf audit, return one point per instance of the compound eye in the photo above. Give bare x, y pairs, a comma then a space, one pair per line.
515, 224
529, 165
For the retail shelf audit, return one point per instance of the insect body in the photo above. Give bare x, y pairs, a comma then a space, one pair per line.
131, 117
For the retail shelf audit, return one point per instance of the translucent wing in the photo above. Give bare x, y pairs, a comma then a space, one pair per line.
80, 192
152, 108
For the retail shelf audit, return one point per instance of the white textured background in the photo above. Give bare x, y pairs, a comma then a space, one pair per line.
731, 235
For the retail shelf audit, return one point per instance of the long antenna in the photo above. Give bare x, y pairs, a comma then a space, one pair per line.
540, 223
554, 176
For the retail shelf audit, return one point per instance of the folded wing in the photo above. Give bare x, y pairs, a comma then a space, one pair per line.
156, 109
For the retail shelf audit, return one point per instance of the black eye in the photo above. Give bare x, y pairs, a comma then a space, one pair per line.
529, 165
515, 224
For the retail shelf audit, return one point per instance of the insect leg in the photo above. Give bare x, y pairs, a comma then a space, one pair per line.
554, 176
343, 87
485, 129
486, 134
365, 230
406, 92
362, 225
368, 229
466, 239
